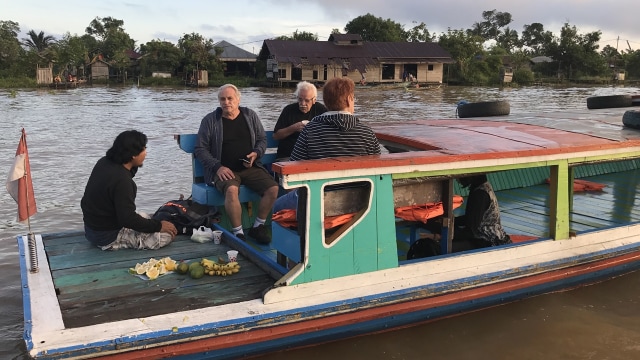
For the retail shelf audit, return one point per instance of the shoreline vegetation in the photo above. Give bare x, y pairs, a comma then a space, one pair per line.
23, 82
30, 83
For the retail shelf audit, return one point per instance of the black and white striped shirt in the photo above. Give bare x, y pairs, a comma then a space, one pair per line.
335, 133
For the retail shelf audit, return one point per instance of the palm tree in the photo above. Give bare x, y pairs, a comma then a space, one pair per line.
38, 42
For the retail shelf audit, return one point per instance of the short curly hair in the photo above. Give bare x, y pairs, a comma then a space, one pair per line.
127, 145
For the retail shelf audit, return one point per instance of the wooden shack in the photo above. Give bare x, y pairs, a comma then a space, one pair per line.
99, 68
506, 75
198, 78
44, 75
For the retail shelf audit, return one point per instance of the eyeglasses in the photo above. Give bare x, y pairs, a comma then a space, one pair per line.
301, 100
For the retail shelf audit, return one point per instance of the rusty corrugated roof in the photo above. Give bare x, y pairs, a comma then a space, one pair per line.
322, 52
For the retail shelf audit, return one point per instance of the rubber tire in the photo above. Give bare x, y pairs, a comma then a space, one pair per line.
631, 118
484, 108
609, 101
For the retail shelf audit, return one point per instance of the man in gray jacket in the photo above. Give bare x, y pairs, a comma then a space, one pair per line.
231, 141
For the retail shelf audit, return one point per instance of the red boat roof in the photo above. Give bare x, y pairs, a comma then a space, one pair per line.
447, 140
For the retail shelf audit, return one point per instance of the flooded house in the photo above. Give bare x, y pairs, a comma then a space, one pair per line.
348, 55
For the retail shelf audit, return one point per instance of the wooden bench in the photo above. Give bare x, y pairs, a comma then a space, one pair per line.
205, 194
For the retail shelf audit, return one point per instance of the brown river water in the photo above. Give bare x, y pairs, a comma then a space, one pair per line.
68, 130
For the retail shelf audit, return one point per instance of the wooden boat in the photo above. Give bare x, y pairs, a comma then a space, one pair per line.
316, 285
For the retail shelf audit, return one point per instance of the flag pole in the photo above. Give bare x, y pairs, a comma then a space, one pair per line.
31, 243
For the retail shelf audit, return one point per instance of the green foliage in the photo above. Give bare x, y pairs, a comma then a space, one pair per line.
10, 50
535, 37
523, 76
197, 54
109, 36
38, 42
576, 53
490, 28
17, 82
463, 47
373, 28
71, 51
632, 60
420, 33
159, 55
101, 28
299, 36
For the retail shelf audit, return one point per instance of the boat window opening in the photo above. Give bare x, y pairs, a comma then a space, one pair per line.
344, 204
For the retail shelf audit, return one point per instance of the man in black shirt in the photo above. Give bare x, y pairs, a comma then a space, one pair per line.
108, 204
231, 141
295, 116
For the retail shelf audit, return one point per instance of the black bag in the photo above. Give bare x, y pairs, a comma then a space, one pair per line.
423, 247
186, 215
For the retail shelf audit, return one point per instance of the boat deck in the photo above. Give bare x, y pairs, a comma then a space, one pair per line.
94, 286
525, 211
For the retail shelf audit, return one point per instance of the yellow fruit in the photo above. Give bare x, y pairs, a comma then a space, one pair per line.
197, 272
182, 268
170, 266
140, 269
152, 273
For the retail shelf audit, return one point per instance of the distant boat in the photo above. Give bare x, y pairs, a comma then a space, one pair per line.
316, 284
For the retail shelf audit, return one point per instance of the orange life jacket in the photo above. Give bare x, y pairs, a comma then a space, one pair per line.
425, 211
580, 185
287, 218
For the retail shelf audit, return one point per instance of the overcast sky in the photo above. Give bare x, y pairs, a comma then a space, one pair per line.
246, 23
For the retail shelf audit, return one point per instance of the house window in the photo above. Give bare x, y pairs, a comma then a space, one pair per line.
282, 73
388, 71
315, 74
430, 67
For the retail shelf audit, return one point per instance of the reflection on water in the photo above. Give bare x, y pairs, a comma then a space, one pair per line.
69, 130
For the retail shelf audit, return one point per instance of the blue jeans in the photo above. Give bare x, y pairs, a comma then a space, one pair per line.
286, 201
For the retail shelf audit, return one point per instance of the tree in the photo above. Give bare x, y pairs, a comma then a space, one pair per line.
71, 51
576, 53
159, 55
535, 37
489, 29
373, 28
420, 33
463, 47
299, 36
101, 27
196, 53
10, 50
508, 40
110, 37
38, 42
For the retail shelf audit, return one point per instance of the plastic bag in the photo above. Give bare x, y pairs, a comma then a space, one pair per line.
202, 234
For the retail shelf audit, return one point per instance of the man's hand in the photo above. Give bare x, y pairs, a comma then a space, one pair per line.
252, 158
168, 228
224, 173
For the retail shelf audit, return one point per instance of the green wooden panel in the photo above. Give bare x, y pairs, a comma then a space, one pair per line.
385, 222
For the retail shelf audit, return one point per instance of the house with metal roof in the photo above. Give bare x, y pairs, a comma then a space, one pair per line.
348, 55
237, 61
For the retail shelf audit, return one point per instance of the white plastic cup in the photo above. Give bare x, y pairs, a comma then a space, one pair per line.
217, 236
232, 255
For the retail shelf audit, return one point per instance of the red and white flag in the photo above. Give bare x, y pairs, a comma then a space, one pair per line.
19, 183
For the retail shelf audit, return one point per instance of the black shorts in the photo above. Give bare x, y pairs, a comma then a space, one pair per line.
255, 178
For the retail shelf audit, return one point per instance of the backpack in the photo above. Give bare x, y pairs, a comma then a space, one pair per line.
186, 215
423, 247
